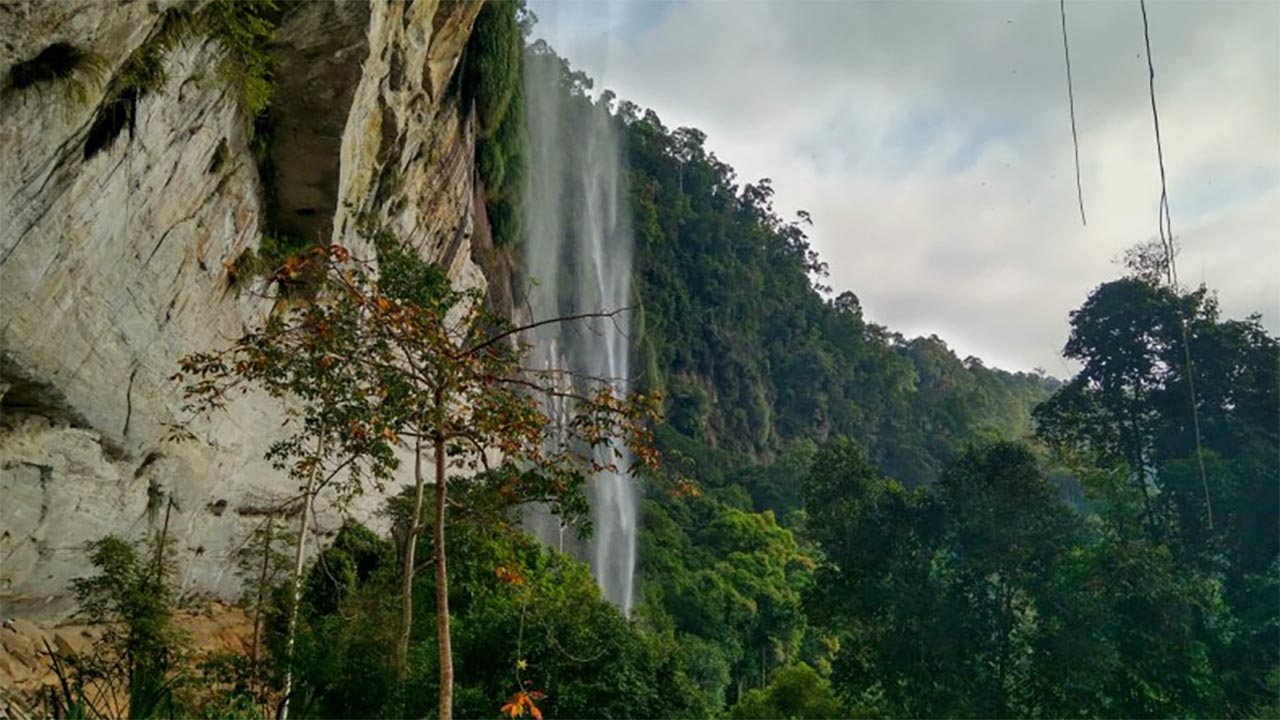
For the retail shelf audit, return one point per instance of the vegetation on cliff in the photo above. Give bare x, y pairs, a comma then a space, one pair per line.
492, 85
242, 27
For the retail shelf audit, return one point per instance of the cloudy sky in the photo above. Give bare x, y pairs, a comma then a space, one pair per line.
931, 142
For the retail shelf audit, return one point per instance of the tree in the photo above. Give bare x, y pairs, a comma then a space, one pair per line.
261, 561
935, 590
1209, 491
797, 692
417, 365
132, 598
1007, 534
1123, 334
339, 436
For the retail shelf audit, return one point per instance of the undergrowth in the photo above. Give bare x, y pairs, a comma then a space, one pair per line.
273, 252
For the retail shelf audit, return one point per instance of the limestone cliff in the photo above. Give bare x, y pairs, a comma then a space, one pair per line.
115, 257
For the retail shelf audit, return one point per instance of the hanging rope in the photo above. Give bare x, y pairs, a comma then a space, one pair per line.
1165, 226
1071, 105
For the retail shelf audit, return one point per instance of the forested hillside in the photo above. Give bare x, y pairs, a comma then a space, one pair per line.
749, 346
754, 352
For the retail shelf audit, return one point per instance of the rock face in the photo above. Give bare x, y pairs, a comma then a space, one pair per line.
115, 266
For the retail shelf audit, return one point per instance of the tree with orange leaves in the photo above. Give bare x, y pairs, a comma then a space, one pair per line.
387, 357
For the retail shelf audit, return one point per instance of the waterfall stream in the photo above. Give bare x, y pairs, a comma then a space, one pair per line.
577, 255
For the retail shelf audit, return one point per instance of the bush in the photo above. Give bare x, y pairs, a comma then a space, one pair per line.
796, 692
135, 664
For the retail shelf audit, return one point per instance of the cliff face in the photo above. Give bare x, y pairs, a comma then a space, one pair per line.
115, 263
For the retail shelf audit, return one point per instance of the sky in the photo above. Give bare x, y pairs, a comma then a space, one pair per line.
931, 142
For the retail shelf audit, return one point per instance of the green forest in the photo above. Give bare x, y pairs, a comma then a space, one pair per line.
837, 520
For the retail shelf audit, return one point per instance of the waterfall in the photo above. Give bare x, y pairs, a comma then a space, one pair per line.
577, 257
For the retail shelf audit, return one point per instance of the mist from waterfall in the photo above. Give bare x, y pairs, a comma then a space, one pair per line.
577, 258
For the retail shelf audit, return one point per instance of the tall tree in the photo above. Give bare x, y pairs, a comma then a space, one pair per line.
1007, 534
1128, 411
339, 438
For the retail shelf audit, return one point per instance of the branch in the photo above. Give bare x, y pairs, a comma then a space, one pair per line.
551, 321
575, 375
484, 460
548, 390
341, 466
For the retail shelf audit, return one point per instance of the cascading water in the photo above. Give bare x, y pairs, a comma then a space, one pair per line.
577, 255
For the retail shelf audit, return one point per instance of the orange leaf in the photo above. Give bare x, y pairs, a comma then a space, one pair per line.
508, 575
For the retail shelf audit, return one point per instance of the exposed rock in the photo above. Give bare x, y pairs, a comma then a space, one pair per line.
114, 267
26, 670
495, 264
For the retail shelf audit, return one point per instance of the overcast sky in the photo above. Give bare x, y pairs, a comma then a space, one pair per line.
931, 143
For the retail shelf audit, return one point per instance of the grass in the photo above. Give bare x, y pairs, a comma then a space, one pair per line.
60, 63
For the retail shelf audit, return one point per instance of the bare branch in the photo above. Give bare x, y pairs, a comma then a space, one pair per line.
551, 321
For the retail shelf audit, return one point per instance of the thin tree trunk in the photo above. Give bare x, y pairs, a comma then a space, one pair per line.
442, 590
1140, 465
164, 540
410, 550
1006, 628
298, 559
257, 605
764, 666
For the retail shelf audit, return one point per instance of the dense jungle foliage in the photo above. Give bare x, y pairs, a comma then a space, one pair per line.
877, 528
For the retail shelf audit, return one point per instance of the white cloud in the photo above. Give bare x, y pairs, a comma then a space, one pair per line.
931, 143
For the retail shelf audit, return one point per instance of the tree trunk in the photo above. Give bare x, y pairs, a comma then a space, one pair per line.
162, 542
298, 559
257, 606
410, 550
764, 666
1002, 668
1140, 467
442, 591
